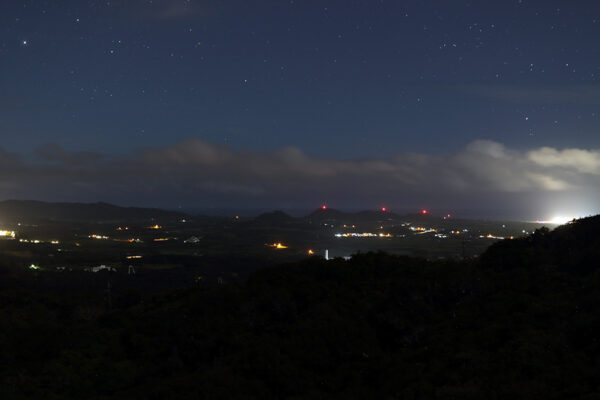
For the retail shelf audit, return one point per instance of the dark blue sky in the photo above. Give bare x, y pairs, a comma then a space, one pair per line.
337, 80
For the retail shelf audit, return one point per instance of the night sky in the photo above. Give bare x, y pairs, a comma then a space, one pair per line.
478, 107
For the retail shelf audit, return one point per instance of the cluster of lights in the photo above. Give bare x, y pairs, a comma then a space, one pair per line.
444, 235
36, 241
100, 237
8, 234
364, 234
155, 227
278, 245
131, 240
490, 236
420, 229
427, 231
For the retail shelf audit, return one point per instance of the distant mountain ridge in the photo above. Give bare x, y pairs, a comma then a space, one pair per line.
31, 210
321, 215
275, 218
23, 210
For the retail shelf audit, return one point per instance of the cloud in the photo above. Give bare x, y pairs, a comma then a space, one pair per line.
51, 152
195, 172
583, 161
490, 166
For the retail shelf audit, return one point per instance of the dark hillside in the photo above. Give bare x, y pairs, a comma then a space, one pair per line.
377, 326
573, 247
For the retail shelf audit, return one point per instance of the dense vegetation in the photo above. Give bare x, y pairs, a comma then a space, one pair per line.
521, 322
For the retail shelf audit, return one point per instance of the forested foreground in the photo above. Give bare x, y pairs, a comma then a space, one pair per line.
523, 321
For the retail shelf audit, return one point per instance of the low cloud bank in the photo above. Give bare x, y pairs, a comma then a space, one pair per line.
198, 172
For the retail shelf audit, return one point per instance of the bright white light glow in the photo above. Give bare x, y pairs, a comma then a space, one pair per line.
560, 220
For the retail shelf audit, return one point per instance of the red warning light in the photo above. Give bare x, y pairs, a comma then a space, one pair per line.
383, 209
424, 212
323, 207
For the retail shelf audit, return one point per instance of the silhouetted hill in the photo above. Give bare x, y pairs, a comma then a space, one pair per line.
274, 218
29, 210
368, 216
377, 326
376, 215
521, 322
320, 215
574, 247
